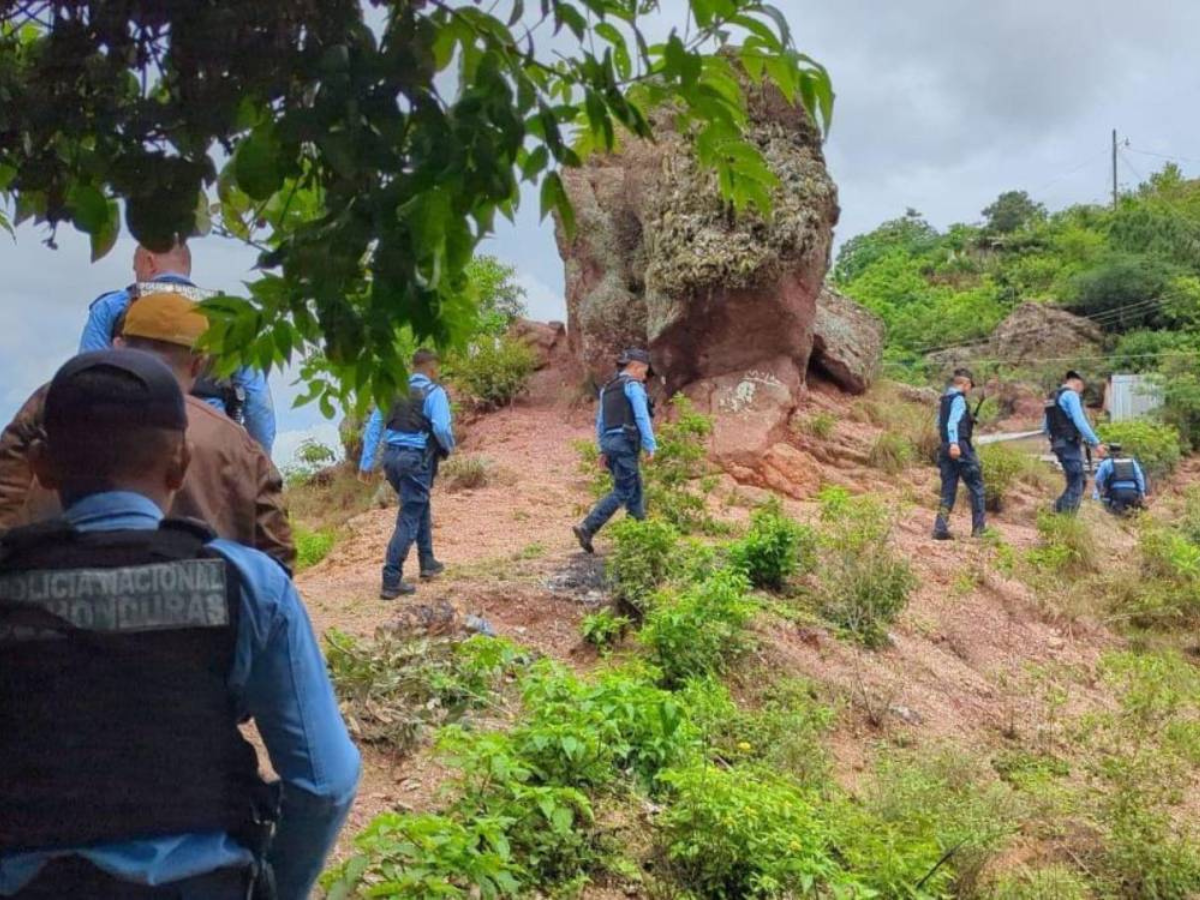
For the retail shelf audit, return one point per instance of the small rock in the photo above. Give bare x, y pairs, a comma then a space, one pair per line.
1056, 643
906, 715
480, 625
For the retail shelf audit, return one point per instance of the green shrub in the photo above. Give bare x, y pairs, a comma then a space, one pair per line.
427, 857
1181, 397
465, 472
783, 729
494, 372
1001, 467
603, 629
311, 457
599, 481
1065, 546
914, 811
1144, 771
1169, 593
892, 453
745, 833
774, 549
547, 826
1156, 445
1049, 883
694, 634
645, 554
312, 545
864, 584
677, 482
587, 732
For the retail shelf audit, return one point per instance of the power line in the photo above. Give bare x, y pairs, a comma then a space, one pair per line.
1172, 157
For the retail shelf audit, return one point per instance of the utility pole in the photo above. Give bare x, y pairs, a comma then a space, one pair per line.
1114, 160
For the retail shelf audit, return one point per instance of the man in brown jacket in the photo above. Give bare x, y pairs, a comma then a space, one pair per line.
231, 484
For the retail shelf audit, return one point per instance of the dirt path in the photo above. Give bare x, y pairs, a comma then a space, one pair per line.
959, 655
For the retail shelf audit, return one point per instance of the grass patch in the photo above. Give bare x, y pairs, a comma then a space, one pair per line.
312, 545
891, 453
466, 472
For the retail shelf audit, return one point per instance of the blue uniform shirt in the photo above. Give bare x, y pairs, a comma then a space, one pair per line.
1070, 403
436, 409
636, 392
1105, 472
259, 413
279, 679
958, 409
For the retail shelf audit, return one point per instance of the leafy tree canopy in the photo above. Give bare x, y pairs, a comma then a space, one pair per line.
1012, 211
1134, 269
365, 161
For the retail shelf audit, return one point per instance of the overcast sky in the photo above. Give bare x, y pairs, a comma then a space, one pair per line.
942, 104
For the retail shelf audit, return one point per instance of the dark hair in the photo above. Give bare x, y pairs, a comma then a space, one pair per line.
424, 357
964, 373
114, 451
1072, 375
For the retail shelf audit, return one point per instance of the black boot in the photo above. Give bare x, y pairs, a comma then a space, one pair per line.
431, 569
585, 539
400, 589
941, 529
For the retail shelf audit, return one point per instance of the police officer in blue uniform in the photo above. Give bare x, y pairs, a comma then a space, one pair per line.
956, 457
244, 396
1120, 483
623, 430
131, 648
1069, 429
419, 434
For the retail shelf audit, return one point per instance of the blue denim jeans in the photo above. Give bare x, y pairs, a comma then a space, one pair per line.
411, 473
622, 454
967, 470
1070, 456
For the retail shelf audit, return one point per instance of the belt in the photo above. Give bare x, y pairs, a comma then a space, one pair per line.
74, 876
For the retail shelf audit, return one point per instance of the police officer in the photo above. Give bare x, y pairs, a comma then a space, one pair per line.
132, 647
419, 434
956, 457
623, 431
231, 483
245, 396
1069, 429
1120, 483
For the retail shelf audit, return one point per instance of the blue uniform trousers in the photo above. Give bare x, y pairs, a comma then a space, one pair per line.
622, 454
411, 472
1070, 457
967, 470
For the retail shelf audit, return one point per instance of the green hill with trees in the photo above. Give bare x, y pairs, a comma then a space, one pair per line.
1133, 269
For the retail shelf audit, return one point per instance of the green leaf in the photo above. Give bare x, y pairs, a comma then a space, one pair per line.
105, 237
537, 160
256, 163
554, 197
89, 208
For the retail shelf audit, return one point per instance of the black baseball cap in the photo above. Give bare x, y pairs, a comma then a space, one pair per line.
635, 354
113, 388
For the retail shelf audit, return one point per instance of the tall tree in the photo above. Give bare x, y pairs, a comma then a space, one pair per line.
1012, 211
365, 161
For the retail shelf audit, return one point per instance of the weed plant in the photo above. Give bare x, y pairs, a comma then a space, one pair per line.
774, 549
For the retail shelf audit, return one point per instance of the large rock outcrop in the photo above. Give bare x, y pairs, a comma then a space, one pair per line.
1031, 333
659, 259
847, 341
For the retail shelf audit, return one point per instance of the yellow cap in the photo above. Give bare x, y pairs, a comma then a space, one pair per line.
170, 318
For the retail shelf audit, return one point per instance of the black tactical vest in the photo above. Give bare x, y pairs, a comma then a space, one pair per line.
408, 413
966, 425
1062, 428
1123, 471
118, 723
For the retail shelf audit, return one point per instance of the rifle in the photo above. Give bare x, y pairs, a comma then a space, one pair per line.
1087, 449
